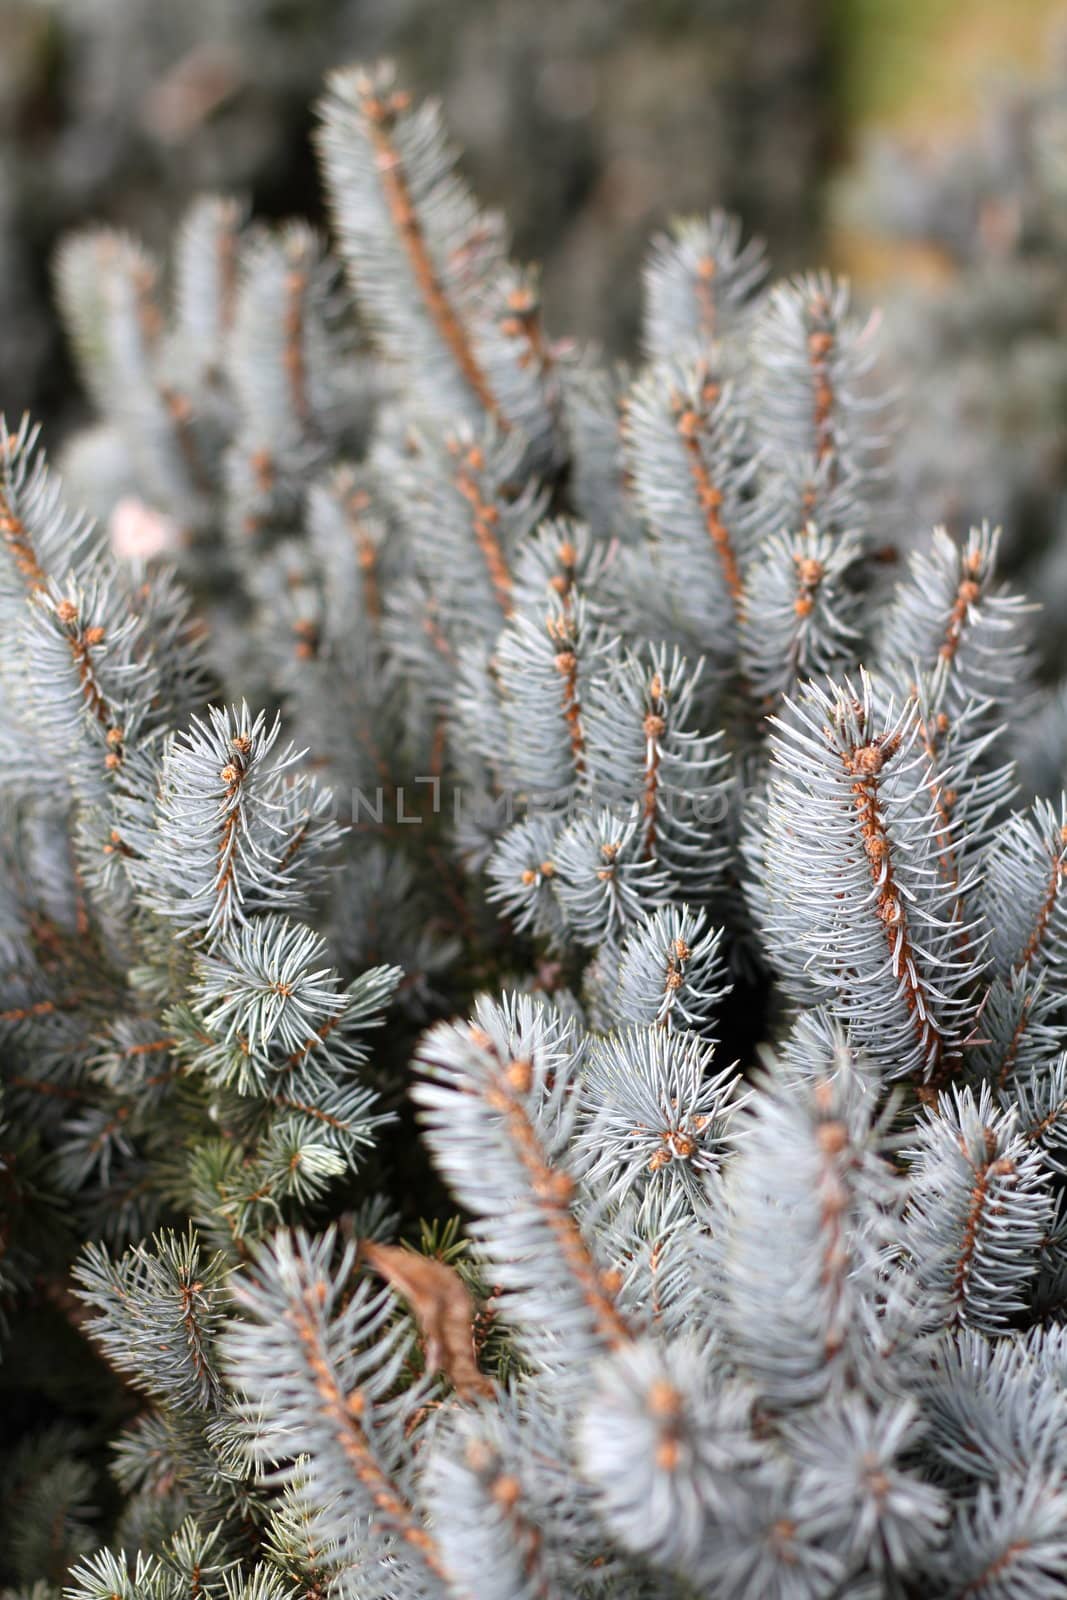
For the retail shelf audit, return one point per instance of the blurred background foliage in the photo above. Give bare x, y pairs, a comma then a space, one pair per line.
589, 121
915, 144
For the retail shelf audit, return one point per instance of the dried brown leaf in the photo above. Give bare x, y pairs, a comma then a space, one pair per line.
442, 1307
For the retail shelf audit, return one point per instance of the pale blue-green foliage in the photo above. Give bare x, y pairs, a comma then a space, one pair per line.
982, 1204
546, 660
664, 1251
112, 654
456, 496
330, 1429
974, 783
652, 796
605, 880
564, 555
643, 746
669, 970
687, 1437
514, 697
497, 1104
802, 488
268, 1023
996, 1410
266, 988
691, 473
294, 1540
223, 399
952, 609
594, 410
384, 915
817, 408
236, 830
855, 811
522, 876
104, 1574
803, 615
206, 261
1038, 1095
1024, 893
295, 408
858, 1491
829, 1312
699, 282
505, 1506
779, 1440
428, 267
84, 645
175, 820
759, 1335
158, 1313
108, 285
657, 1112
189, 1558
1020, 1027
50, 538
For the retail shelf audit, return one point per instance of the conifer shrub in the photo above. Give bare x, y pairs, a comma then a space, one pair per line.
444, 746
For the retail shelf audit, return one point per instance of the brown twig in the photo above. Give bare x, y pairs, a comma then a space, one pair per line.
381, 114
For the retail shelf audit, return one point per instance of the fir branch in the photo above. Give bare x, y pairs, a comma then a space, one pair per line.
491, 1105
699, 283
851, 808
335, 1361
373, 141
980, 1208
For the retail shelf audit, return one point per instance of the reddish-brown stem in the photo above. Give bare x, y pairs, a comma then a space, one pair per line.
188, 1293
308, 1045
653, 727
285, 1103
435, 633
833, 1141
704, 290
345, 1413
1039, 1129
505, 1490
293, 358
227, 259
820, 349
293, 846
151, 1048
82, 641
709, 498
233, 775
995, 1568
559, 630
1016, 1038
54, 1091
380, 115
355, 505
1044, 916
984, 1175
968, 592
178, 406
16, 537
864, 766
553, 1188
180, 410
523, 321
41, 1008
486, 519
